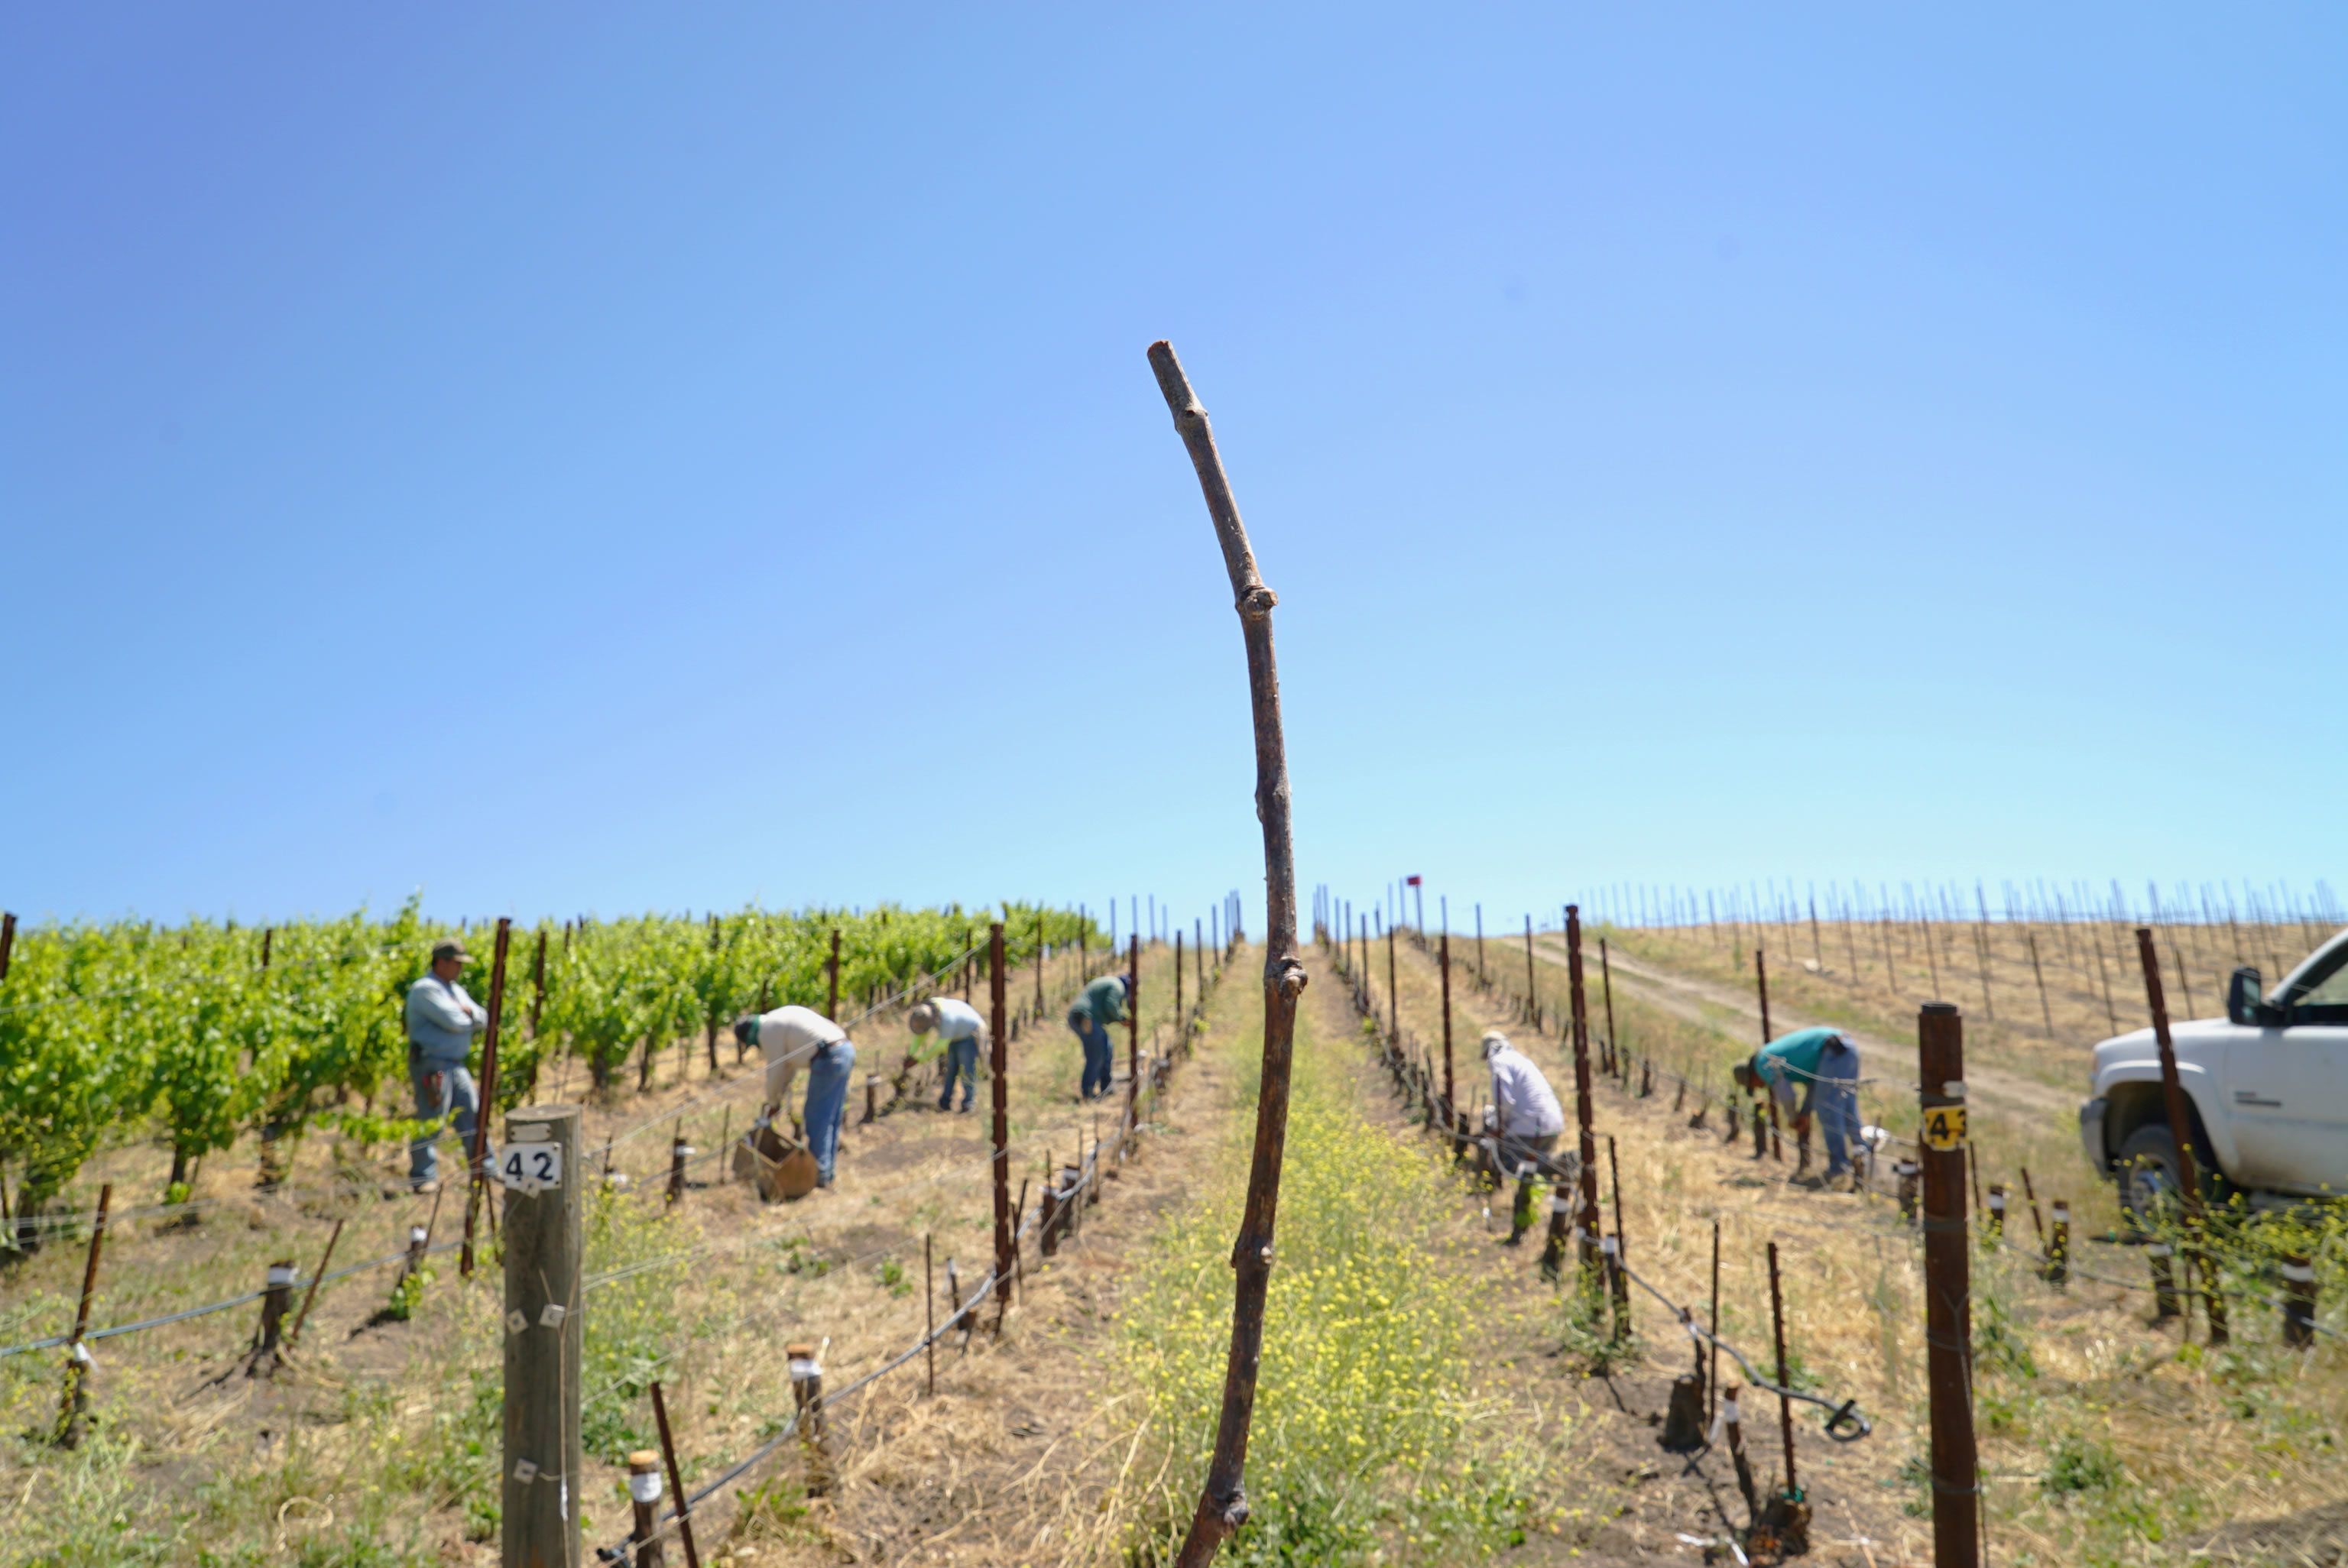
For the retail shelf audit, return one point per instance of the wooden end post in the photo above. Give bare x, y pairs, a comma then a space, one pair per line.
545, 1338
831, 973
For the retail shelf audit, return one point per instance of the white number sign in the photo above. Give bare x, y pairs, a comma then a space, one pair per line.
531, 1166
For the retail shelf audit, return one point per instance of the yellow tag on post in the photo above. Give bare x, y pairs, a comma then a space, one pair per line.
1944, 1127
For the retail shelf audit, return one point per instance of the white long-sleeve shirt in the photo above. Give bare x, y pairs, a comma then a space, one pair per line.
789, 1036
957, 1020
1528, 1106
442, 1019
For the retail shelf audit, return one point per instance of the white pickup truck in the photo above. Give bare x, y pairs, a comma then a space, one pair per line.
2266, 1086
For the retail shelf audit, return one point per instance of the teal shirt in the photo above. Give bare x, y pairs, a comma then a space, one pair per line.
1103, 1002
1793, 1060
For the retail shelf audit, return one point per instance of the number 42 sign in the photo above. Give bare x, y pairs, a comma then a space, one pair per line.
530, 1167
1944, 1127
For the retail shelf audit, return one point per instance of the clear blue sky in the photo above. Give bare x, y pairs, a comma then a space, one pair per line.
608, 457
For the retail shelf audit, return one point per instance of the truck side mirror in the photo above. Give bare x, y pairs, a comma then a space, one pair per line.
2245, 1002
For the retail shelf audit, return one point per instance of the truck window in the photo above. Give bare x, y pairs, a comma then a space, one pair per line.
2326, 1000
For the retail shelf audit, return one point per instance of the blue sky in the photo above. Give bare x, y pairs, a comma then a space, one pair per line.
601, 458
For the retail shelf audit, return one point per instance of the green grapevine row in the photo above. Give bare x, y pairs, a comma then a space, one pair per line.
198, 1034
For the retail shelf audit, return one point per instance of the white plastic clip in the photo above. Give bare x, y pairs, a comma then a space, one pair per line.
280, 1274
552, 1314
646, 1488
525, 1470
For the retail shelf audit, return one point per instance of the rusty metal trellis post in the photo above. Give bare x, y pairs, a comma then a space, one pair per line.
1947, 1288
997, 1064
2180, 1127
474, 1175
1580, 1016
1222, 1501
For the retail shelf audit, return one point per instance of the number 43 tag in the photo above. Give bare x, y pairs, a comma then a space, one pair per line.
530, 1167
1944, 1127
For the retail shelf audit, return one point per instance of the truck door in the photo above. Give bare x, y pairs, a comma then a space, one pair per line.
2287, 1089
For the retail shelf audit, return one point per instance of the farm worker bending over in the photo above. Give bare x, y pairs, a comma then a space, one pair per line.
1101, 1004
1530, 1122
1825, 1062
792, 1035
441, 1023
961, 1031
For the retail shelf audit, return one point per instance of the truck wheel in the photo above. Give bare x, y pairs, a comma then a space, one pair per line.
2149, 1174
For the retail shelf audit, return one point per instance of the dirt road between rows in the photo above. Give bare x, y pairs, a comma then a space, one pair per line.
1700, 1001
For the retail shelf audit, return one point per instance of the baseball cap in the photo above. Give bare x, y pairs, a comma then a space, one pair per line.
449, 947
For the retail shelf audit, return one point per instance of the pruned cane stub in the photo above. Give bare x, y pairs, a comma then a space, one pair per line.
1222, 1503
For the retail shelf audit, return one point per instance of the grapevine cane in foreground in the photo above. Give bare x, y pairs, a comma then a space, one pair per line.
1222, 1505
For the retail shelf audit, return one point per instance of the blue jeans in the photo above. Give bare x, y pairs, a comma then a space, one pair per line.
961, 1057
827, 1102
440, 1087
1835, 1098
1101, 1060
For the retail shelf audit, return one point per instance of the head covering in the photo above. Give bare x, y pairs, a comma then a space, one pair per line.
923, 1019
1129, 983
745, 1030
449, 947
1494, 1042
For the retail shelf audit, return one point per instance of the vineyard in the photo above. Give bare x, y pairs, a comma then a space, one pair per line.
853, 1378
209, 1034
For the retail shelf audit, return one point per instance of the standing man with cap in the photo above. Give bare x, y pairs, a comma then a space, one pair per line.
964, 1034
1529, 1123
1099, 1005
1825, 1060
789, 1036
441, 1023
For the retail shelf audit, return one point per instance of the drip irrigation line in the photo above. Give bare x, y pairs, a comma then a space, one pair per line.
56, 1339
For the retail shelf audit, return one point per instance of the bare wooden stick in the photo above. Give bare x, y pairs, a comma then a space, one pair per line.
1222, 1503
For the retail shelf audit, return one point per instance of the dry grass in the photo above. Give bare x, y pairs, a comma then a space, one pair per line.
2193, 1437
389, 1431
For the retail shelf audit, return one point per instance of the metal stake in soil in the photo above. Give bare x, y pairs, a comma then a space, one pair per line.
2180, 1126
474, 1175
1579, 1014
1000, 1092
